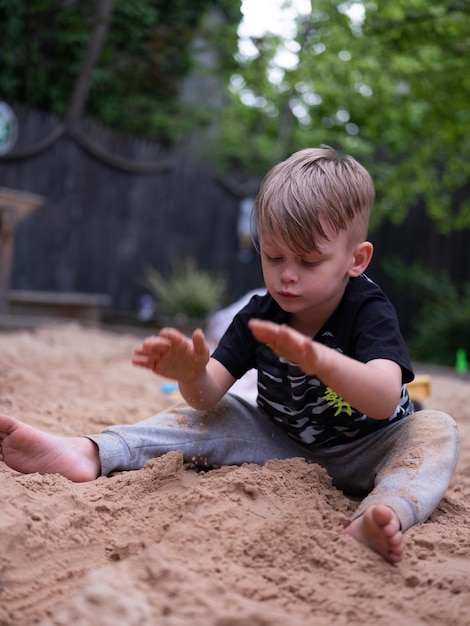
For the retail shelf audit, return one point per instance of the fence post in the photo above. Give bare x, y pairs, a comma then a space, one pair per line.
14, 207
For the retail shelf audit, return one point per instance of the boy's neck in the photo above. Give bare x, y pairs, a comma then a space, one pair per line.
310, 322
308, 326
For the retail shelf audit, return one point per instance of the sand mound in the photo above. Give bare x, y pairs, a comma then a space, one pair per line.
166, 545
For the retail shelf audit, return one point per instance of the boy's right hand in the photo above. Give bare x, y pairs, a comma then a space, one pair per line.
173, 355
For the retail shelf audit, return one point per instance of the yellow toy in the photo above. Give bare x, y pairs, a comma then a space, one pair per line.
419, 389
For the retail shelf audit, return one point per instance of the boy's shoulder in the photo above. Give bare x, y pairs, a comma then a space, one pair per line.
363, 302
361, 288
363, 305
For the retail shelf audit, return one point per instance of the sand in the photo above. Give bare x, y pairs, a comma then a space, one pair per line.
168, 546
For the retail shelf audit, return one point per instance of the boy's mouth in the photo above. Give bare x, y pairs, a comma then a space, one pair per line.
287, 295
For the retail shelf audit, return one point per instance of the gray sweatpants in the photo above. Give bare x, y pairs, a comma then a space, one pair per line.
407, 465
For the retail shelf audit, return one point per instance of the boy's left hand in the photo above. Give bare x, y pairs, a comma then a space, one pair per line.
287, 343
173, 355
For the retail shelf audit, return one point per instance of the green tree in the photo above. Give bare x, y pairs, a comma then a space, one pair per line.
386, 81
391, 85
135, 83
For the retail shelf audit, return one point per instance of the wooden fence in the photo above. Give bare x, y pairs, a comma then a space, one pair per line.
114, 203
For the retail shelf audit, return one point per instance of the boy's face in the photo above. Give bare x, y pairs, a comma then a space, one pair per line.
312, 283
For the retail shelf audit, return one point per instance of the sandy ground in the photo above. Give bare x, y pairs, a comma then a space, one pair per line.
167, 546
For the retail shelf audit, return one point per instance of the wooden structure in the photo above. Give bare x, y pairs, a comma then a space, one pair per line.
116, 204
87, 307
14, 207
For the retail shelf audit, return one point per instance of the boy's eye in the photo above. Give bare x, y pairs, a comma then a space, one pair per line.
310, 263
272, 258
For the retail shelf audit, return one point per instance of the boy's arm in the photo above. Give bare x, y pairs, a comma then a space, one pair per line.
202, 381
374, 388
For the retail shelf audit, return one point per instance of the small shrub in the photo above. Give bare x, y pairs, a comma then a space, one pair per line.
442, 325
188, 291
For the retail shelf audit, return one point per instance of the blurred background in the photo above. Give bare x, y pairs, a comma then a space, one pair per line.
134, 136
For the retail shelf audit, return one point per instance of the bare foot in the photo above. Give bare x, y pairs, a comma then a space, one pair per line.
27, 450
379, 529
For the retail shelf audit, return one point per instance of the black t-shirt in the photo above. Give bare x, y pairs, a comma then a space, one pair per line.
363, 327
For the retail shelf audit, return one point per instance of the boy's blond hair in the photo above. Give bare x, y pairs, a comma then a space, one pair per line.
314, 188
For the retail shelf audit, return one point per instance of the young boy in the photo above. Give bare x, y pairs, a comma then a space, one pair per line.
331, 362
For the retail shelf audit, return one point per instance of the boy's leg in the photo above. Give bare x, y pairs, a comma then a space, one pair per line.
417, 470
405, 469
232, 433
406, 466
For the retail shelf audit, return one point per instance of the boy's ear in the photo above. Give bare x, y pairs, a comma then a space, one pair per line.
362, 255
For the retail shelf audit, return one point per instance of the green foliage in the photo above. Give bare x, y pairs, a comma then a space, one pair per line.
135, 86
391, 88
189, 291
442, 325
42, 45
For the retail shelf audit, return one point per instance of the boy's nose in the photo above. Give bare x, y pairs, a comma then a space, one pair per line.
288, 274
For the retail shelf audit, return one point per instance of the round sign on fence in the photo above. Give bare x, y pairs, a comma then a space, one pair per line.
8, 128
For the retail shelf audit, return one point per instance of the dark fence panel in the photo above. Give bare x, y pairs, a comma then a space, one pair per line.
416, 240
100, 224
102, 221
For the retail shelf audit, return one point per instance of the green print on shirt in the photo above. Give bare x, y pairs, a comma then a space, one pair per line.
337, 402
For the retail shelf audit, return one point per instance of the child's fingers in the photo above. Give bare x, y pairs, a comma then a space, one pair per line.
201, 347
278, 336
172, 335
284, 341
150, 352
142, 361
263, 331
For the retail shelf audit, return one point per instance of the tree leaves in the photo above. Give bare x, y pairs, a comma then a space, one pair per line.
391, 88
386, 81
